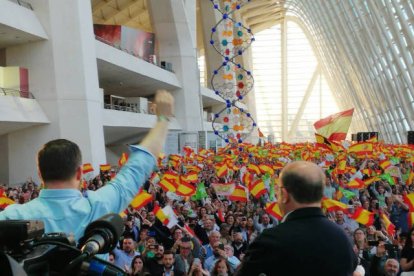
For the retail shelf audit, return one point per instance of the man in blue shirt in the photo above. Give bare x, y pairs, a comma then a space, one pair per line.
62, 207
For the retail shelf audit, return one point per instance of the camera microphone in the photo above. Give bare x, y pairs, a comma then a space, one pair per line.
102, 235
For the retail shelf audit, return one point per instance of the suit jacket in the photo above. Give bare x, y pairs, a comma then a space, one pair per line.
307, 243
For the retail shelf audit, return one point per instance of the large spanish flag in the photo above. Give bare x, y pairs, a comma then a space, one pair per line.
356, 183
254, 169
273, 209
222, 170
239, 194
335, 127
185, 189
363, 216
141, 199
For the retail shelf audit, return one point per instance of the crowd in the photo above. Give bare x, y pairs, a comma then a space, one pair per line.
221, 201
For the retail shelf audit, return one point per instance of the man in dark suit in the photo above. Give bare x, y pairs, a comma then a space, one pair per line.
306, 242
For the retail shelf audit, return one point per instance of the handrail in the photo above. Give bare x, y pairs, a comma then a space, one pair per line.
128, 52
23, 4
15, 93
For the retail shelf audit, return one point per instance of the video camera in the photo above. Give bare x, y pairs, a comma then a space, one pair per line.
26, 250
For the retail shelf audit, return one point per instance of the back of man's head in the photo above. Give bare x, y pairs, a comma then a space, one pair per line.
304, 181
58, 160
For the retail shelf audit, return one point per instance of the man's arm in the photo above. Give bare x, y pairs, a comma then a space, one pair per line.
119, 193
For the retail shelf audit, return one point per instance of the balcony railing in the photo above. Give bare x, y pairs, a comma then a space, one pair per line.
23, 4
129, 52
15, 93
127, 109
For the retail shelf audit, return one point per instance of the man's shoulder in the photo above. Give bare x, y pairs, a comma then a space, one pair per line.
20, 211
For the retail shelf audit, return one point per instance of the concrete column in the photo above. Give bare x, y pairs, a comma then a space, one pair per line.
64, 80
174, 22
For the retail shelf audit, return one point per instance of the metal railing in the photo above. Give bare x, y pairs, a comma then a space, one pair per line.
127, 109
23, 4
126, 51
15, 93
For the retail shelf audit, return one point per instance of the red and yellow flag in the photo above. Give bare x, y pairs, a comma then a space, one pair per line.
371, 180
168, 185
361, 148
257, 188
335, 127
254, 169
185, 189
388, 225
264, 168
409, 200
239, 194
87, 168
5, 201
191, 177
105, 167
385, 164
332, 205
222, 170
159, 213
356, 183
141, 199
363, 216
410, 219
273, 209
123, 159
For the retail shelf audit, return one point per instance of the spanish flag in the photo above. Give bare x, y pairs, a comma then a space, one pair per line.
361, 148
141, 199
105, 167
254, 169
185, 189
257, 188
87, 168
247, 179
239, 194
409, 200
332, 205
410, 219
410, 178
168, 185
363, 216
193, 168
356, 183
388, 225
266, 169
222, 170
159, 213
371, 180
5, 201
385, 164
191, 177
273, 209
123, 159
335, 127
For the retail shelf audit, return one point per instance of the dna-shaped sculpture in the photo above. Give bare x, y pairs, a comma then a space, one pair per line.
231, 81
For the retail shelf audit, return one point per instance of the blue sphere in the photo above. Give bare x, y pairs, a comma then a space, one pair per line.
239, 66
226, 140
225, 16
224, 63
212, 42
240, 149
254, 124
216, 6
238, 7
240, 141
249, 31
253, 39
216, 132
213, 30
240, 97
248, 114
248, 73
217, 92
240, 52
250, 155
215, 72
216, 115
226, 58
241, 110
229, 105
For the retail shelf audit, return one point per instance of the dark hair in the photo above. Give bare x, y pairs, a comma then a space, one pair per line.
168, 252
217, 264
408, 241
58, 160
303, 189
